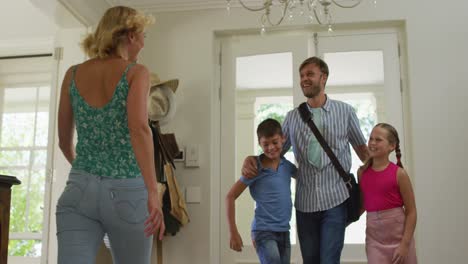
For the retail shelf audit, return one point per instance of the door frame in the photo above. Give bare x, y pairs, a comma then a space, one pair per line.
215, 117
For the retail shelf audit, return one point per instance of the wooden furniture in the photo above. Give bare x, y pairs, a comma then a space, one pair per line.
5, 199
104, 255
159, 250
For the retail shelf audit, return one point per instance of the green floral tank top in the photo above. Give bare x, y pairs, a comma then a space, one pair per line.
104, 146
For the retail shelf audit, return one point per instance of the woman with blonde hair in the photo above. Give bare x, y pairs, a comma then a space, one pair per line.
112, 183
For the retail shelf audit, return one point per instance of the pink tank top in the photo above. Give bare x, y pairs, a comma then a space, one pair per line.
380, 189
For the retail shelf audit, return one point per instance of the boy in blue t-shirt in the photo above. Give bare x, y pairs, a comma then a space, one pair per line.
272, 194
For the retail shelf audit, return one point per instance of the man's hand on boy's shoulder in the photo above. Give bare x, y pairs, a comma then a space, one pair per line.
294, 171
249, 168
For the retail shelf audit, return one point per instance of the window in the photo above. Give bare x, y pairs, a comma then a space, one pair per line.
265, 71
24, 133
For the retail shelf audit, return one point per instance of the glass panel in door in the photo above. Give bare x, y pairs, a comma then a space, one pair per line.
258, 75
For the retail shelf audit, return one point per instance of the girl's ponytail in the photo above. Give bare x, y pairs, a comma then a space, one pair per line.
398, 154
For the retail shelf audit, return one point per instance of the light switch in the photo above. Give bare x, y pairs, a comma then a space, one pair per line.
193, 194
191, 156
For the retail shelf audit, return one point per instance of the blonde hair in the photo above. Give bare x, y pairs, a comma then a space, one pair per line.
112, 29
392, 137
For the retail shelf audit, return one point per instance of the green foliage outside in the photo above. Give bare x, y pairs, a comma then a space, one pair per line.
366, 114
20, 157
274, 111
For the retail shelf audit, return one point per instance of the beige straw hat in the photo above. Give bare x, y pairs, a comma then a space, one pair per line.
161, 100
155, 81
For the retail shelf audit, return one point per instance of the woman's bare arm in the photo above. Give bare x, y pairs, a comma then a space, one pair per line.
66, 123
142, 143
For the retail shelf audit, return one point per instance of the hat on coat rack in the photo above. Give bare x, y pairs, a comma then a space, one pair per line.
161, 100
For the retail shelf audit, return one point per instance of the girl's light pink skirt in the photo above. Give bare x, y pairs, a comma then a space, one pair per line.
384, 232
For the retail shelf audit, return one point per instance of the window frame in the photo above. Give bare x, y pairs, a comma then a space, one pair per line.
34, 73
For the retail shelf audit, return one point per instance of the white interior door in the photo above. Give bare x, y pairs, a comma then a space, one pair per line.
365, 72
254, 68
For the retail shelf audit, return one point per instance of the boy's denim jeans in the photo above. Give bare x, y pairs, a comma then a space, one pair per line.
321, 235
91, 206
272, 247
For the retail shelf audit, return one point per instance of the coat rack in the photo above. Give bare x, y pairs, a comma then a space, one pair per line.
175, 215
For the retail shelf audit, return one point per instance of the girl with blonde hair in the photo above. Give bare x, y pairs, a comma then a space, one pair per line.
112, 183
389, 201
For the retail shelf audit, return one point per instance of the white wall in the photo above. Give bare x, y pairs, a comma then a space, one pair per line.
20, 35
437, 41
181, 45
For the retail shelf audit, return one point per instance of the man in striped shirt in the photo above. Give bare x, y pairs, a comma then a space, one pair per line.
320, 191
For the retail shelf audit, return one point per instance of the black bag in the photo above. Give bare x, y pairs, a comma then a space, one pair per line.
353, 203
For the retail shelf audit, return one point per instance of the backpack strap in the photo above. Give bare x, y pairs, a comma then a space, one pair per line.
307, 118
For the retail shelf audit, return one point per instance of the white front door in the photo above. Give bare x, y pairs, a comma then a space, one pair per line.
259, 78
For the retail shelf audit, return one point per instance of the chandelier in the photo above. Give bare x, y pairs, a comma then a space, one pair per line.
318, 10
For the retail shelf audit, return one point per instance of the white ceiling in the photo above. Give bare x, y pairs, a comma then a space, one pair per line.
20, 19
23, 24
90, 11
171, 5
36, 21
30, 25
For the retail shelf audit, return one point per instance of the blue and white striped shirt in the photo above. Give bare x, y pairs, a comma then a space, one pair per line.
322, 189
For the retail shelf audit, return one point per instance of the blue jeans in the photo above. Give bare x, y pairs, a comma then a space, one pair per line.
92, 205
321, 235
272, 247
